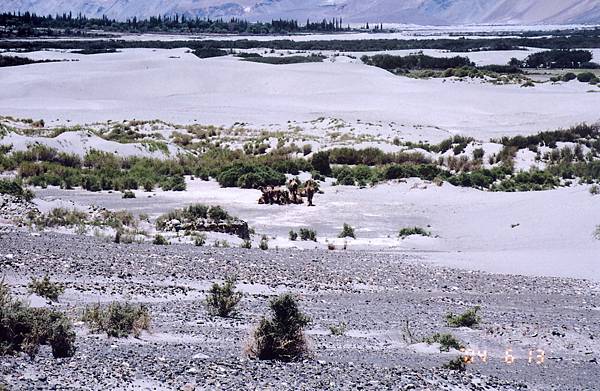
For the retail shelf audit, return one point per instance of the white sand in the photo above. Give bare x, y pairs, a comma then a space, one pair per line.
552, 233
149, 84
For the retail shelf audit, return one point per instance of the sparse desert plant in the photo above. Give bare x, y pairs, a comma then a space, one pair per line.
222, 299
597, 233
281, 337
117, 319
264, 243
330, 246
347, 232
468, 319
338, 329
446, 341
24, 329
457, 364
128, 194
308, 234
406, 232
478, 153
306, 149
222, 243
595, 190
160, 240
247, 244
528, 83
200, 240
15, 188
46, 288
585, 77
293, 235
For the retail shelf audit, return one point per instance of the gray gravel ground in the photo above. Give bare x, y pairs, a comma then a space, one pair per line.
378, 295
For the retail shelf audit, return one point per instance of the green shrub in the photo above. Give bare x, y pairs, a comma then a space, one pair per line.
406, 232
446, 341
347, 232
61, 217
117, 319
595, 190
320, 163
160, 240
293, 235
286, 60
15, 188
597, 233
457, 364
585, 77
24, 329
308, 234
247, 244
222, 300
46, 288
478, 153
200, 240
468, 319
250, 176
264, 243
128, 194
306, 149
209, 52
338, 329
281, 337
569, 76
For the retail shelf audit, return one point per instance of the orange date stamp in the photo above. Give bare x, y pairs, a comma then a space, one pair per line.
532, 356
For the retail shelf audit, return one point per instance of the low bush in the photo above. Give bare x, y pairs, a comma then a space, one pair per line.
24, 329
222, 300
457, 364
415, 61
200, 240
347, 232
320, 162
117, 319
160, 240
585, 77
128, 194
308, 234
61, 217
281, 337
293, 235
209, 52
567, 77
468, 319
286, 60
446, 341
247, 244
250, 176
15, 188
406, 232
264, 243
595, 190
338, 329
597, 233
46, 288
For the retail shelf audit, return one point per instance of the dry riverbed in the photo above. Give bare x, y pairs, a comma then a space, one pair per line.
389, 301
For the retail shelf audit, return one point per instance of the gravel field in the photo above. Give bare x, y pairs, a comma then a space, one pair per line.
381, 296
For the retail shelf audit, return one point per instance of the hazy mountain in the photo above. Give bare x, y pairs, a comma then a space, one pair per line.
393, 11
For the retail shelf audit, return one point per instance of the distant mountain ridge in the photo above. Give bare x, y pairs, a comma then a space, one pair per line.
425, 12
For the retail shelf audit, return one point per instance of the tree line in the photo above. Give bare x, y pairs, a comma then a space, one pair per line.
589, 39
30, 24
